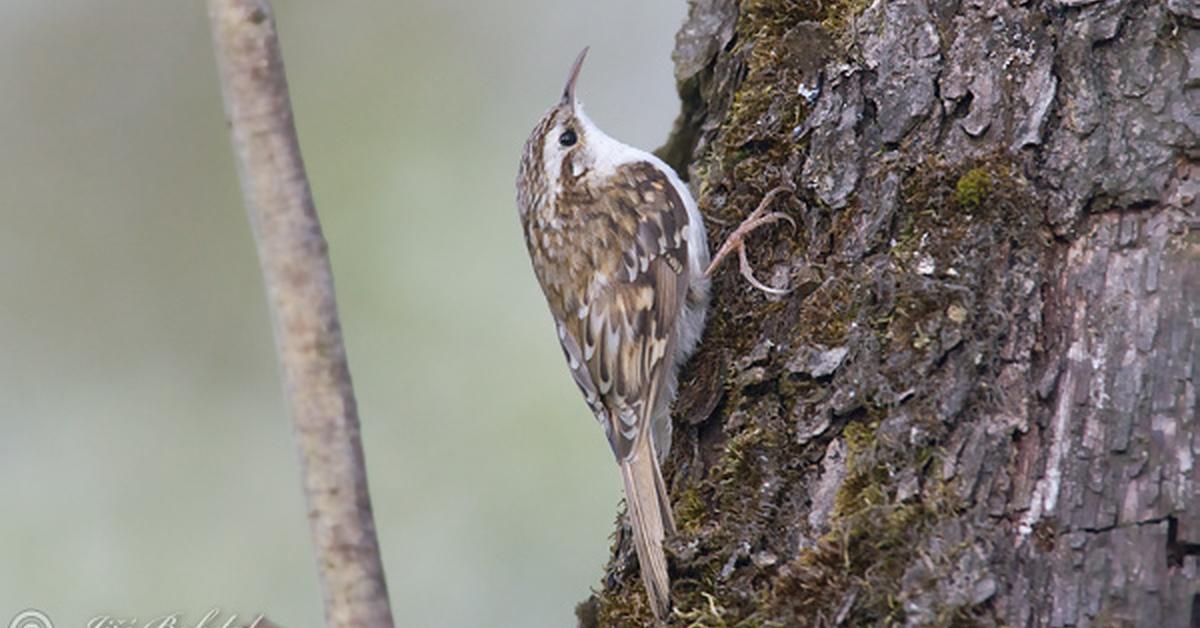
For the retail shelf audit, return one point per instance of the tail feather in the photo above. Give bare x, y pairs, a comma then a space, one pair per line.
664, 502
650, 517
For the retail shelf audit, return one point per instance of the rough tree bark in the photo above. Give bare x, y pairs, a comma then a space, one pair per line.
300, 298
979, 404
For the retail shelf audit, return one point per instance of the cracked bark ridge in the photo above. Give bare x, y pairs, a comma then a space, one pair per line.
979, 405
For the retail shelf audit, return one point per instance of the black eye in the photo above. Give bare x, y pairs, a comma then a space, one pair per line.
567, 138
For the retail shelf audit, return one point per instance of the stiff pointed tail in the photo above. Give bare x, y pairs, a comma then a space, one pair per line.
651, 520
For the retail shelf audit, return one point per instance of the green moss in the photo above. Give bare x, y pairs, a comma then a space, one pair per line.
690, 510
839, 14
625, 607
862, 487
859, 438
764, 110
872, 537
973, 188
734, 459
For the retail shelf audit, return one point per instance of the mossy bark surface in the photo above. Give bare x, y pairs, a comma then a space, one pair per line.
978, 404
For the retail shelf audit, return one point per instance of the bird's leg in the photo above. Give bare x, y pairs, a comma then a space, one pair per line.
737, 239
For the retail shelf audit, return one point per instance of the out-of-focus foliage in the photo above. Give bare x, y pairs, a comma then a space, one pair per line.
146, 465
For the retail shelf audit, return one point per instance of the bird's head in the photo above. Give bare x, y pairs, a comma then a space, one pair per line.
563, 148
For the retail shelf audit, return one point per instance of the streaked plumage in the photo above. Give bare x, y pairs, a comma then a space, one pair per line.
619, 249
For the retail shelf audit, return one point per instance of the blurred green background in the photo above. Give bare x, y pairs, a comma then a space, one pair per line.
146, 464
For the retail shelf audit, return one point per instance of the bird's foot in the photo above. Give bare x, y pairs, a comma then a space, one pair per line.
737, 240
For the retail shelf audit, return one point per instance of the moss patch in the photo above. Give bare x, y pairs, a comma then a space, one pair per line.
840, 14
855, 569
973, 188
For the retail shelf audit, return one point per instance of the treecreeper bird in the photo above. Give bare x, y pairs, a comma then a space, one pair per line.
619, 248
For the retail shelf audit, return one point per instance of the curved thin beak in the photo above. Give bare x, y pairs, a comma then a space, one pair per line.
568, 97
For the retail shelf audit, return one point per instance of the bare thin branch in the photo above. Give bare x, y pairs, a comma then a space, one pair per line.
300, 295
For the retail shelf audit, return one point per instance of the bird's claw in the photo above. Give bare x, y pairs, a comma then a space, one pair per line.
748, 273
737, 239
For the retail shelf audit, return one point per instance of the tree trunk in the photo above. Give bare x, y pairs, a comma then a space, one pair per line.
978, 405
